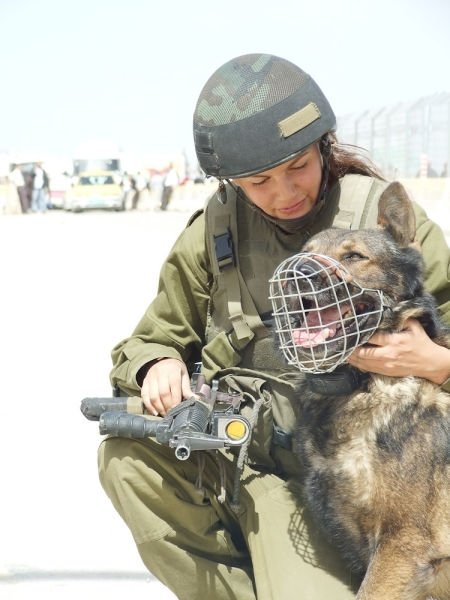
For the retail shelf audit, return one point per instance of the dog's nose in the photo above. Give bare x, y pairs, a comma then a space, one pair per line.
307, 269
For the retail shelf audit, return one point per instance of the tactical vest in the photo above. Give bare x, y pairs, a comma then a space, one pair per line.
245, 249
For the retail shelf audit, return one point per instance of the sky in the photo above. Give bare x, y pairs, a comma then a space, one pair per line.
129, 71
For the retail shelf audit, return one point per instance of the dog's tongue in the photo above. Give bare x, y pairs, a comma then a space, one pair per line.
319, 326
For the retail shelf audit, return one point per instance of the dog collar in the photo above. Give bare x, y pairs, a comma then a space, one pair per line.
337, 383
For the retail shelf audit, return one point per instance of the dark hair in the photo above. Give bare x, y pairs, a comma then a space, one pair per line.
347, 158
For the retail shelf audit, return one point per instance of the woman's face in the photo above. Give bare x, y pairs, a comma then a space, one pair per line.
288, 191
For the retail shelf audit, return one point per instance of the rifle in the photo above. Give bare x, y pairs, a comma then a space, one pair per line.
207, 421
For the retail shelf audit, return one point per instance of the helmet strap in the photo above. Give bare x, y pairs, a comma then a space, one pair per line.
222, 192
325, 152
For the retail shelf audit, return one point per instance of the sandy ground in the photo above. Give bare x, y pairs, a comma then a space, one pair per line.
72, 286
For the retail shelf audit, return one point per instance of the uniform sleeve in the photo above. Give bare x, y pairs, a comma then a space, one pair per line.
436, 254
174, 324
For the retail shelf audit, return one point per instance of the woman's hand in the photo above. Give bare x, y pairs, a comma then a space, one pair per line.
166, 384
409, 352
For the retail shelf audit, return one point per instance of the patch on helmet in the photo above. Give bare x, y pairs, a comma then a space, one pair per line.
299, 120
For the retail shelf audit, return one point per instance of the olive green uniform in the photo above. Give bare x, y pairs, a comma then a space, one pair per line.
265, 545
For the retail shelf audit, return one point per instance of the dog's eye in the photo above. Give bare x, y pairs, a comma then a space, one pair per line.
354, 256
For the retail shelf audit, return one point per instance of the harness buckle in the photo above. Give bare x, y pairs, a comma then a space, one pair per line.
223, 245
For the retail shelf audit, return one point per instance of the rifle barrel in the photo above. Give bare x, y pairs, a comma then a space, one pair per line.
93, 408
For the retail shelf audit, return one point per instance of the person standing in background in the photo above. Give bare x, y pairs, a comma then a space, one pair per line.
38, 202
17, 179
169, 183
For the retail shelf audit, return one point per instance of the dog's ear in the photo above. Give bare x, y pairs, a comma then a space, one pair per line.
396, 214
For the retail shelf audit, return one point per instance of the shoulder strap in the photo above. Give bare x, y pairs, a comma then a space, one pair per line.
353, 212
222, 240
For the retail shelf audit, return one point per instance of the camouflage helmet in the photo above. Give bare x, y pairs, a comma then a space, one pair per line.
254, 113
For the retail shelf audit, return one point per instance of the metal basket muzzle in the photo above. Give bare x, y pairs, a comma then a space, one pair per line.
321, 313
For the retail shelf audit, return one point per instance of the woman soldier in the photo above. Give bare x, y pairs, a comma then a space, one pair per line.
265, 130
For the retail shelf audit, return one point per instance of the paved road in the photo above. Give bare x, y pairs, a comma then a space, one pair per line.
72, 286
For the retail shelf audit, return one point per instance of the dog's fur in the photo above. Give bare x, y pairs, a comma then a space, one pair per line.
377, 460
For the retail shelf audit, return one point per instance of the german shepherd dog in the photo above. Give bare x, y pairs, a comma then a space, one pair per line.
377, 459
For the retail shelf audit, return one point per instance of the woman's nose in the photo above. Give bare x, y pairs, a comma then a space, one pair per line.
287, 186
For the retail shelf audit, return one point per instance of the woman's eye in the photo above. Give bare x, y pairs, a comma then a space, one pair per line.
302, 166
